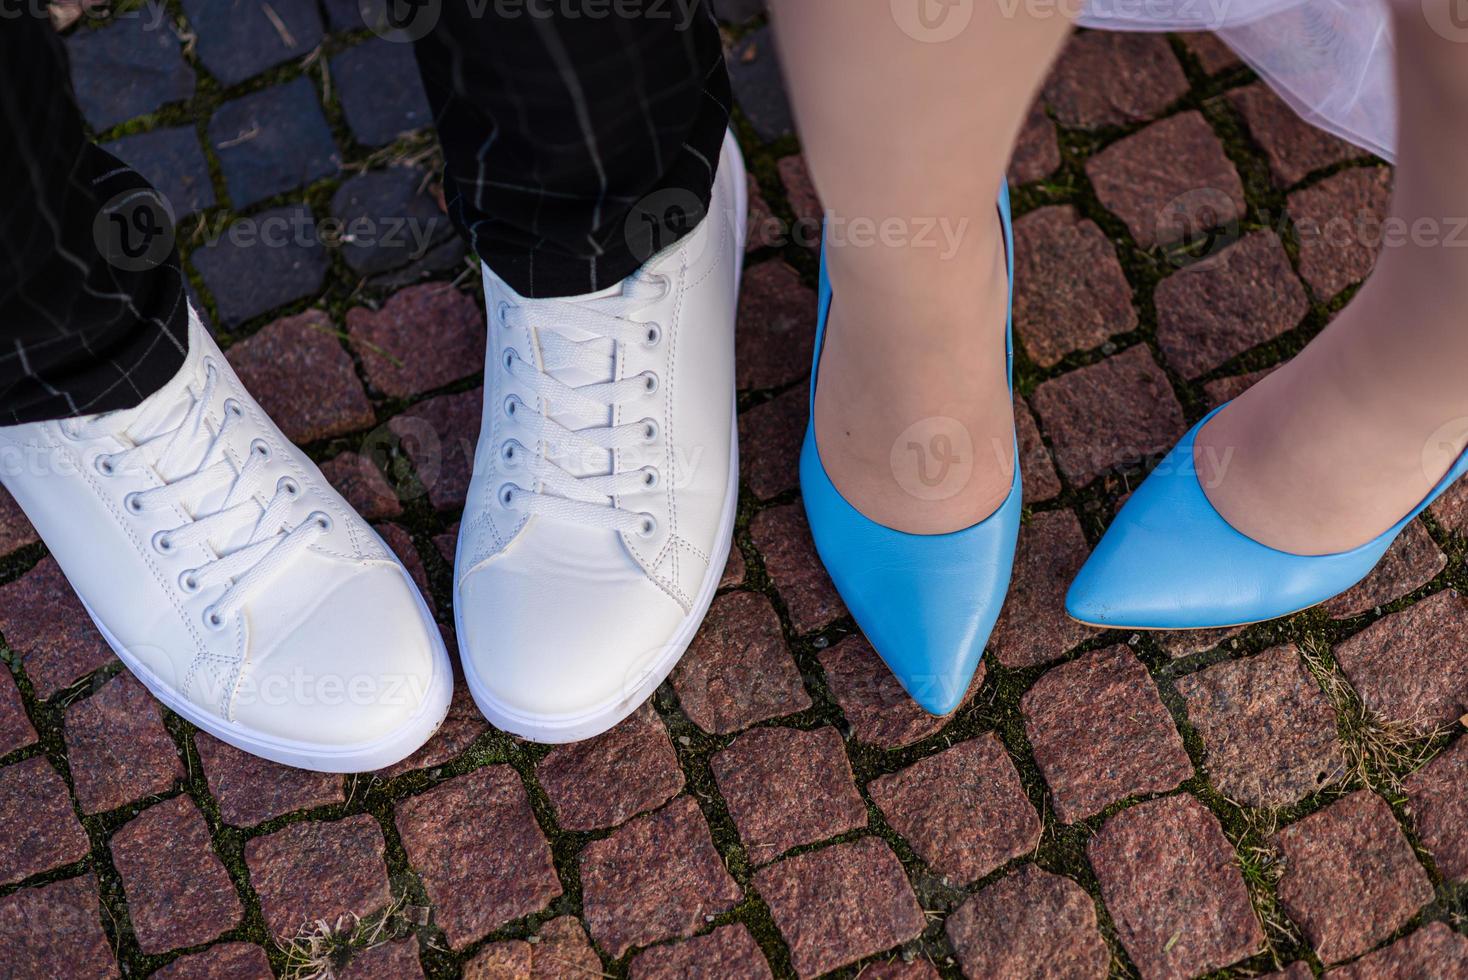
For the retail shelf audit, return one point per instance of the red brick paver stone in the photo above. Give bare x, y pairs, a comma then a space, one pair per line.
963, 810
1040, 480
1212, 53
1350, 877
785, 787
1227, 389
899, 968
15, 531
310, 871
482, 856
1292, 146
401, 542
738, 670
804, 202
783, 537
561, 950
656, 877
879, 711
16, 730
1033, 628
1185, 643
776, 326
734, 570
1030, 925
45, 624
1170, 182
55, 931
439, 435
1410, 666
1212, 311
297, 370
223, 961
1036, 152
250, 790
463, 724
1088, 765
1439, 800
1338, 222
363, 486
1110, 413
729, 952
1451, 509
41, 831
1431, 952
1070, 293
1412, 561
770, 435
840, 903
178, 891
1269, 730
762, 228
1298, 970
604, 780
1171, 882
1110, 79
423, 338
117, 746
397, 959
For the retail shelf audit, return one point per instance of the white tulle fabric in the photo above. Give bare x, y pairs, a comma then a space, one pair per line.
1331, 60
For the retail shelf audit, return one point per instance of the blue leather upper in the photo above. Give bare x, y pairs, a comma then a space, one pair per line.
925, 602
1170, 561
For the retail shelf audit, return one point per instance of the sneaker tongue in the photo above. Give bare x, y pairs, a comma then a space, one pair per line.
576, 357
153, 430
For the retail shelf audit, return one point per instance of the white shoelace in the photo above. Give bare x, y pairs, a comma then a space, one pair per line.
251, 543
560, 494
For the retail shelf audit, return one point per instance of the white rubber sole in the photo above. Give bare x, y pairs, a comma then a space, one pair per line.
555, 730
357, 757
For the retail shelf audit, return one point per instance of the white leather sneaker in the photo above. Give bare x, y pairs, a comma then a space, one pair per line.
230, 577
605, 483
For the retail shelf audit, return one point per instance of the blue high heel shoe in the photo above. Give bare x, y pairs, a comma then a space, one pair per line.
925, 602
1170, 561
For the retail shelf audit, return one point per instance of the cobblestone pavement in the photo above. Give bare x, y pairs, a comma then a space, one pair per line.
1291, 796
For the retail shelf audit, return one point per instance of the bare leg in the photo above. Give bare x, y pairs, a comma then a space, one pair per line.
1334, 447
899, 130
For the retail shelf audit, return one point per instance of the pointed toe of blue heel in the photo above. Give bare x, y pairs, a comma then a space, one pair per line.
1170, 561
926, 603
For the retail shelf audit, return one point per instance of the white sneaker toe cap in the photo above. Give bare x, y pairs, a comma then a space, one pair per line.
361, 667
542, 654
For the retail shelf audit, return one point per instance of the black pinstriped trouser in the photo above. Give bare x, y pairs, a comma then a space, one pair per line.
557, 128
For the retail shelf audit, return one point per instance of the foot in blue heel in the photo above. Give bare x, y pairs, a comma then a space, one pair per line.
926, 602
1170, 561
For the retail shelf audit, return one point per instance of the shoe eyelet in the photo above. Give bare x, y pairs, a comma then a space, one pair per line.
648, 527
162, 543
506, 494
651, 477
654, 335
259, 448
188, 581
133, 503
510, 452
213, 619
502, 313
649, 431
233, 408
69, 432
512, 404
321, 519
650, 382
288, 487
509, 359
104, 465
